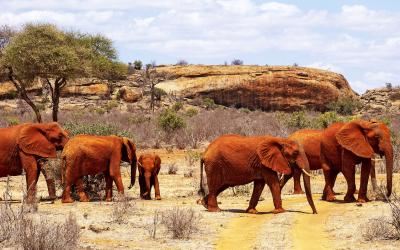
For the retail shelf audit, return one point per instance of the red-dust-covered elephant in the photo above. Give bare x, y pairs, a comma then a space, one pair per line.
233, 160
149, 166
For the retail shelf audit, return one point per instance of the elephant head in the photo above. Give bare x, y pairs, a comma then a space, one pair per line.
364, 138
42, 139
281, 155
129, 155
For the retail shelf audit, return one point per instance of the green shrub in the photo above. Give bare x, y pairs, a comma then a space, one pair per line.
209, 103
191, 112
110, 105
12, 121
245, 110
137, 64
158, 93
99, 110
138, 119
75, 128
326, 119
298, 120
345, 105
169, 121
177, 106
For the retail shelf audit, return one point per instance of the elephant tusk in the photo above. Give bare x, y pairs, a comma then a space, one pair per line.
280, 179
140, 164
305, 172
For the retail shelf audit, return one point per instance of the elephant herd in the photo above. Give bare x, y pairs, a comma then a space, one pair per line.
228, 161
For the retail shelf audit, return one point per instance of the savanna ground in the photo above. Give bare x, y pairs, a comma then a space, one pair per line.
130, 224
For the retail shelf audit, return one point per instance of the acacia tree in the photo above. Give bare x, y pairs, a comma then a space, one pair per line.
42, 51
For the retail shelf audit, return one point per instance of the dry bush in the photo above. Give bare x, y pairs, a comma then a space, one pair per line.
21, 229
121, 209
378, 228
153, 225
172, 168
180, 222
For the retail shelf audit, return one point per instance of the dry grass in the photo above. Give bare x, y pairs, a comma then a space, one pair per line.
21, 228
379, 228
121, 209
180, 222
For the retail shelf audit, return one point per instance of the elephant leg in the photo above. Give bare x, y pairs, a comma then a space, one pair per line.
157, 187
109, 182
81, 191
284, 180
296, 179
32, 175
273, 184
365, 171
51, 186
257, 190
142, 185
330, 178
147, 177
349, 172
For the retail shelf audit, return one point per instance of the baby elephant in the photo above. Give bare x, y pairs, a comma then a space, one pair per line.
90, 155
149, 167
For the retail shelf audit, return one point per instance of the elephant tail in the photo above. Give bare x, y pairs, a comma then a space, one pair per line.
201, 190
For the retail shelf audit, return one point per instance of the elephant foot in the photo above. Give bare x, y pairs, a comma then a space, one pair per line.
362, 199
108, 199
67, 200
214, 209
251, 211
158, 197
329, 198
349, 198
83, 197
278, 210
298, 192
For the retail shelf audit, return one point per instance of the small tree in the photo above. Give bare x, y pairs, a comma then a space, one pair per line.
150, 77
42, 51
182, 62
237, 62
137, 64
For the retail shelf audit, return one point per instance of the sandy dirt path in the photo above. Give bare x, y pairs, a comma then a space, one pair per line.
240, 231
309, 231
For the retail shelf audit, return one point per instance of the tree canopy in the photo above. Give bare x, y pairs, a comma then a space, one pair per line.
43, 51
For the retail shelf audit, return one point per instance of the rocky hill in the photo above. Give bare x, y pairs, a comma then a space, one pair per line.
258, 87
381, 101
254, 87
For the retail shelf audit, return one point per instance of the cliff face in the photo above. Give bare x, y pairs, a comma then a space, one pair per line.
258, 87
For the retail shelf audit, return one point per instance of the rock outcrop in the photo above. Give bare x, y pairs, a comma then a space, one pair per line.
381, 101
258, 87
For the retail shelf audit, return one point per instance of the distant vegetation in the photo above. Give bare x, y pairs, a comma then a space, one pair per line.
237, 62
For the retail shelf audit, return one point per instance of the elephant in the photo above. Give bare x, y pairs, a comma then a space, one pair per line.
88, 155
343, 145
149, 166
310, 140
23, 146
232, 160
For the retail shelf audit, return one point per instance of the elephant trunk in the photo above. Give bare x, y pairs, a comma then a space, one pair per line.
133, 171
389, 168
307, 187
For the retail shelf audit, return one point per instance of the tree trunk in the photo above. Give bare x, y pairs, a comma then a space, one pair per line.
22, 92
59, 83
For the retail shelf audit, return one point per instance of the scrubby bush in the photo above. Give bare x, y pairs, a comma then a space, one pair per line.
182, 62
180, 222
77, 128
209, 103
237, 62
297, 120
345, 105
170, 121
326, 119
137, 65
177, 106
191, 112
159, 93
121, 209
111, 105
378, 229
172, 169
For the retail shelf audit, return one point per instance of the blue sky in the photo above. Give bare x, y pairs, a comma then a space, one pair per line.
360, 39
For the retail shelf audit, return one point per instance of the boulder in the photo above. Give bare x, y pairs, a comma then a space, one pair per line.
377, 101
129, 94
98, 89
258, 87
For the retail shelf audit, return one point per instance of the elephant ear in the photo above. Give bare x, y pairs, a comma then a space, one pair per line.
32, 140
351, 136
128, 149
271, 156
